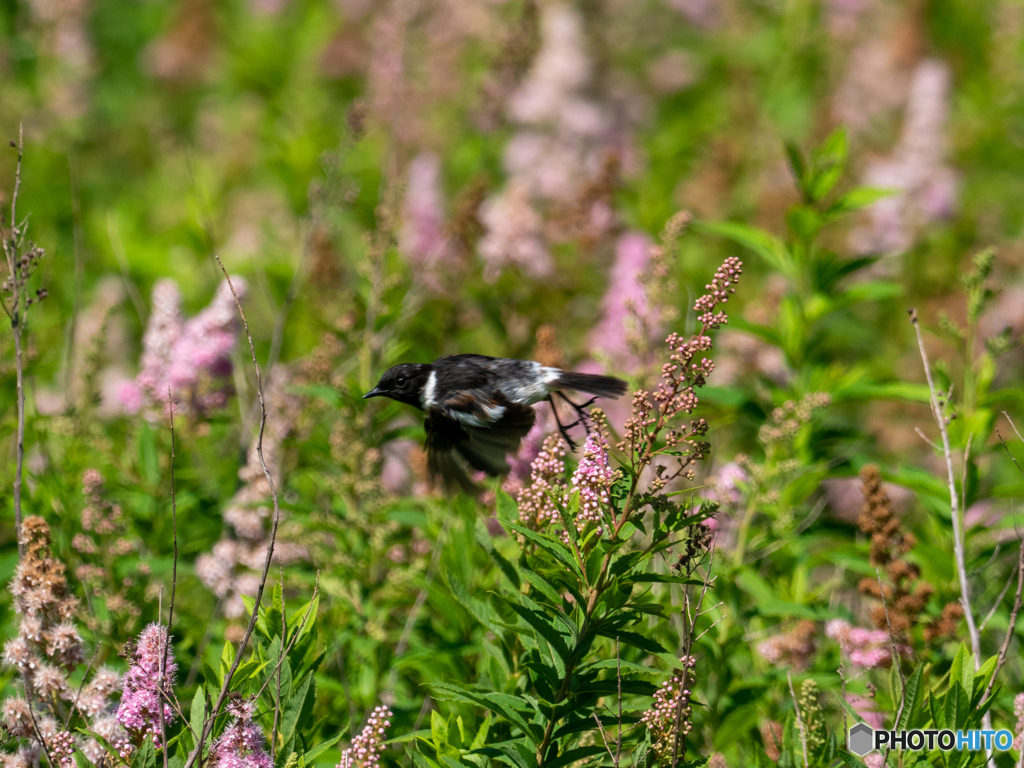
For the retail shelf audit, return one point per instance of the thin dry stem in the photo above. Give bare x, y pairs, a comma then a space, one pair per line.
226, 686
17, 326
958, 537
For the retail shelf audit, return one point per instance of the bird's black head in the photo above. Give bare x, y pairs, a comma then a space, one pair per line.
402, 383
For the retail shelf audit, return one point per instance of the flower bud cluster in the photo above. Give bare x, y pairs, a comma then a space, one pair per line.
787, 419
687, 370
537, 501
671, 708
366, 748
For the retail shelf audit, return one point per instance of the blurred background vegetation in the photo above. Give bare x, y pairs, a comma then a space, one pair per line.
401, 179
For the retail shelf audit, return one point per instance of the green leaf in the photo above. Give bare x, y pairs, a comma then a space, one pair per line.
197, 715
853, 713
938, 714
508, 707
895, 685
315, 751
310, 609
227, 658
764, 244
478, 609
850, 760
294, 707
958, 706
981, 680
796, 164
804, 221
438, 729
854, 200
640, 753
580, 724
481, 735
572, 755
541, 625
543, 586
912, 695
506, 508
829, 163
483, 538
632, 639
661, 578
550, 546
145, 756
519, 754
962, 668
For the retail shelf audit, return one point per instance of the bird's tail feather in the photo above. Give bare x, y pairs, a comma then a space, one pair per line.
603, 386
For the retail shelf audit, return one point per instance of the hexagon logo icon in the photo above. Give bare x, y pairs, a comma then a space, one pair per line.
861, 739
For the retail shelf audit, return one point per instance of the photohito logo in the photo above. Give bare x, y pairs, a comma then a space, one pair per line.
862, 738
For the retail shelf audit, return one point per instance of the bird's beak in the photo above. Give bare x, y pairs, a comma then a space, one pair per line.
375, 392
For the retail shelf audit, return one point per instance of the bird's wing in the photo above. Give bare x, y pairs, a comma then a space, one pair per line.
483, 445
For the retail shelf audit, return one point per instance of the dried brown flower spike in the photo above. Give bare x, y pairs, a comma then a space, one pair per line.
906, 595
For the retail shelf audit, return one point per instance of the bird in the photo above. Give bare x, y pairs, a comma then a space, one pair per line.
479, 407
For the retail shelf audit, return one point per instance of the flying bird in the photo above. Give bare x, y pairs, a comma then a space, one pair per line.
478, 407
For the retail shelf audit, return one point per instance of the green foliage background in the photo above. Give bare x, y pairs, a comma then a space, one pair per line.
250, 148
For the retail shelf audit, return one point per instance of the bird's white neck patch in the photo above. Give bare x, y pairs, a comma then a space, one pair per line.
429, 390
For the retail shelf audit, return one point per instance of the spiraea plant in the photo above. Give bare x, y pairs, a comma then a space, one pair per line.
599, 555
52, 712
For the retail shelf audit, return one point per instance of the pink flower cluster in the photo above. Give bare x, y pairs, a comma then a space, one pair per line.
139, 712
725, 485
593, 479
242, 744
795, 648
537, 505
925, 187
193, 358
625, 298
868, 648
423, 240
661, 718
560, 148
366, 748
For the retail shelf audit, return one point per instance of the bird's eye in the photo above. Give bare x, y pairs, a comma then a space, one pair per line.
400, 382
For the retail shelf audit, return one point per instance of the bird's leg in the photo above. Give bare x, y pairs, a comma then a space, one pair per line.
582, 415
563, 429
